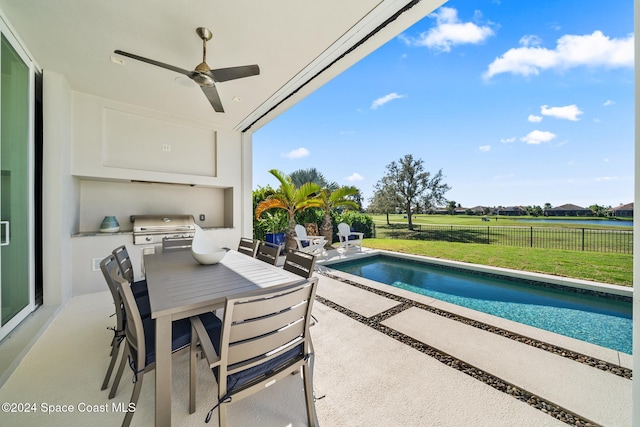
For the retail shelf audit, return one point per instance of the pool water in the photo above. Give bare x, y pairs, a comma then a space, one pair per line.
587, 317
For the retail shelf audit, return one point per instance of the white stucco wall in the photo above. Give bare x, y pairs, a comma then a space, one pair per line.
59, 190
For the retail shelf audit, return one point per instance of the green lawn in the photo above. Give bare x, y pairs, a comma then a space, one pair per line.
610, 268
477, 221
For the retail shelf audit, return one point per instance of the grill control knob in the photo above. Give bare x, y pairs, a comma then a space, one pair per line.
148, 238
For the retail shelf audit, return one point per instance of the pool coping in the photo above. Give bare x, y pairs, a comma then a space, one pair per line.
555, 342
569, 282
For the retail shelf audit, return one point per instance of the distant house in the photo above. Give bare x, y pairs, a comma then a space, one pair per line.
479, 210
625, 211
568, 210
511, 211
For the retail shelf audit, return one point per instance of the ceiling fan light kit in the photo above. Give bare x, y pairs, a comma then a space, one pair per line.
203, 75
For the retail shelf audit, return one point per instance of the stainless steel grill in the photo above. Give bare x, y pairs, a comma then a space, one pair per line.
151, 229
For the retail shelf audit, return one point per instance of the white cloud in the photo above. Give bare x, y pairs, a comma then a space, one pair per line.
608, 102
607, 178
538, 136
383, 100
484, 148
534, 119
569, 112
508, 140
297, 153
449, 31
530, 40
593, 50
354, 177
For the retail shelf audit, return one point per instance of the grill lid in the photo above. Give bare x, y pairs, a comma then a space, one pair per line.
145, 224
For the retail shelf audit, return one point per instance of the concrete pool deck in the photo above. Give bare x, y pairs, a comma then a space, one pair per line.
594, 394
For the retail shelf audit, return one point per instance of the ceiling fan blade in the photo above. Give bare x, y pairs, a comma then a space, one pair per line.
232, 73
156, 63
212, 95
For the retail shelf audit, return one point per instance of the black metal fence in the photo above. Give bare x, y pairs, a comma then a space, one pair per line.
573, 239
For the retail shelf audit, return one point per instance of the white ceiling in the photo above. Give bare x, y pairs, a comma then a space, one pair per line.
291, 41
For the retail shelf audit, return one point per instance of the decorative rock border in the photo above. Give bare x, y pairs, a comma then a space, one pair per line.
497, 383
563, 352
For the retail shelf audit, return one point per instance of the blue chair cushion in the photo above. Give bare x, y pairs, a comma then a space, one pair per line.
305, 243
180, 334
144, 306
239, 379
353, 237
139, 288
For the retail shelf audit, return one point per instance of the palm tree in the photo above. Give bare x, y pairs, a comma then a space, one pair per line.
331, 200
292, 199
302, 176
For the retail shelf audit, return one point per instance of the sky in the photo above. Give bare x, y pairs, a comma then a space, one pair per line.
518, 102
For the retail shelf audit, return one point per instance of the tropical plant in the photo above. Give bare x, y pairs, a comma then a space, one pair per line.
292, 199
302, 176
275, 222
330, 201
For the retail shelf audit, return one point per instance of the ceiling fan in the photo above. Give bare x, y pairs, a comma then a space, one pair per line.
203, 75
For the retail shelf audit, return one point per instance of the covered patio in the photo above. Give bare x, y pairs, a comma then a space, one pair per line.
124, 138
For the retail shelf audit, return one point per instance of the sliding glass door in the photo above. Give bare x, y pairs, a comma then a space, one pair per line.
16, 195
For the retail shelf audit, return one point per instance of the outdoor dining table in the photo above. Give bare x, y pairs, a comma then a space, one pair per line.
180, 287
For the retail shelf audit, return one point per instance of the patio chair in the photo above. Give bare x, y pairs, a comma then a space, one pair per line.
300, 263
139, 288
348, 238
248, 246
309, 244
264, 338
107, 265
140, 338
268, 252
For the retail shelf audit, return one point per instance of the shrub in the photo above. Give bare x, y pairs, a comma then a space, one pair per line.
358, 221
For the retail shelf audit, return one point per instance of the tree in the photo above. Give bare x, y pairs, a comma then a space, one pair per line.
302, 176
451, 207
384, 200
331, 200
292, 199
598, 210
410, 183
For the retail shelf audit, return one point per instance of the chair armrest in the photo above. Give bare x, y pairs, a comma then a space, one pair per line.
205, 341
310, 239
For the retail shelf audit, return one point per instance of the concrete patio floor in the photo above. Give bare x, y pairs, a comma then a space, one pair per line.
363, 377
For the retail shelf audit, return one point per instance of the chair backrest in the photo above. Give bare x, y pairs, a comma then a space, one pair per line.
248, 246
134, 330
269, 329
107, 265
344, 229
178, 244
124, 262
123, 296
300, 231
268, 252
300, 263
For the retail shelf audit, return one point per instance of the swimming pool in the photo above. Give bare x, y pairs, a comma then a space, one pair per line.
586, 316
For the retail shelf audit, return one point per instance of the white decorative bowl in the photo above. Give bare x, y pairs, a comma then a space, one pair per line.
204, 250
207, 258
